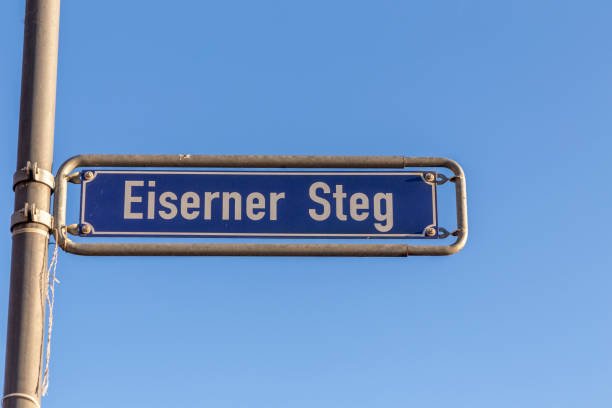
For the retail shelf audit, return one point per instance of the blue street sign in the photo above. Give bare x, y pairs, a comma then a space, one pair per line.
340, 204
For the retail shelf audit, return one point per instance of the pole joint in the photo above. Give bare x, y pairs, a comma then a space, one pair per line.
21, 395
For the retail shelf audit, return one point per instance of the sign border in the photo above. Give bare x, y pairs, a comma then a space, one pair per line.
263, 235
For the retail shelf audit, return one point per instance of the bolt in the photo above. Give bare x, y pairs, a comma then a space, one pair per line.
429, 177
88, 175
86, 229
430, 232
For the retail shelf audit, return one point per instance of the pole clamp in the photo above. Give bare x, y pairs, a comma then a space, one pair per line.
31, 172
30, 213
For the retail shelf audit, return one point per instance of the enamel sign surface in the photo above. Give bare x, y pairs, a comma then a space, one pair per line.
276, 204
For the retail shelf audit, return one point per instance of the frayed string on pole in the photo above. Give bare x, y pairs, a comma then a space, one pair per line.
51, 280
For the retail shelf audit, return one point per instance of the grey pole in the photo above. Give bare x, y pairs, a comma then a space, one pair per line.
26, 316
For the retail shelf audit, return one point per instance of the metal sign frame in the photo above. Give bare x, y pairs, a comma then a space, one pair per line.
64, 175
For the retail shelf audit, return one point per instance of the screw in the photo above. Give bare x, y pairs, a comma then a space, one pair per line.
86, 229
429, 177
430, 232
88, 175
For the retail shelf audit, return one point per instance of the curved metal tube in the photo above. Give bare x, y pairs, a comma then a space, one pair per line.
248, 161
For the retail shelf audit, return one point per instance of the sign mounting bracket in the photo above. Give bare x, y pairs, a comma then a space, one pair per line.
64, 175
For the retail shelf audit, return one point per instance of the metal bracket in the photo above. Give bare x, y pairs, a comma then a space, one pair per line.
74, 178
443, 233
31, 172
73, 229
30, 213
443, 179
64, 175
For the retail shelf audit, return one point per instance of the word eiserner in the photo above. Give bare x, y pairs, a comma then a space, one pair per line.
192, 205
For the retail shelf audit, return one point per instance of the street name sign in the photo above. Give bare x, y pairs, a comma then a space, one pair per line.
274, 204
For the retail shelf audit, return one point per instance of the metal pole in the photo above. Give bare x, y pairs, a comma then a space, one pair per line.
26, 316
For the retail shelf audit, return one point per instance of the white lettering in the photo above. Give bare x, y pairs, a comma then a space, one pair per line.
129, 199
151, 201
208, 197
237, 205
163, 201
255, 201
359, 201
190, 200
274, 197
387, 216
312, 192
340, 195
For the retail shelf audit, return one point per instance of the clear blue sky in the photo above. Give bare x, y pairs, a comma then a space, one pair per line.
519, 92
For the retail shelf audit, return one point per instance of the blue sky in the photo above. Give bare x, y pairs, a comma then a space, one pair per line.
518, 92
